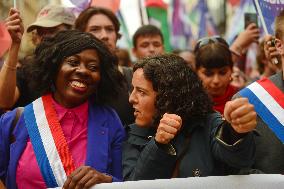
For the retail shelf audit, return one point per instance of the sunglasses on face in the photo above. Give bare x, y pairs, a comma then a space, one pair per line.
207, 40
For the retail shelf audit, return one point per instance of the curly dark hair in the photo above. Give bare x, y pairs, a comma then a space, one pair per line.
49, 56
178, 88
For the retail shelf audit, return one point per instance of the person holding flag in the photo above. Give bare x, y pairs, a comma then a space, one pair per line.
267, 95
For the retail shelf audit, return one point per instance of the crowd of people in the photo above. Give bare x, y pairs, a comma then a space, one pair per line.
77, 112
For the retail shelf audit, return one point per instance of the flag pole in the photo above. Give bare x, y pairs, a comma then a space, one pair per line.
261, 16
143, 12
15, 4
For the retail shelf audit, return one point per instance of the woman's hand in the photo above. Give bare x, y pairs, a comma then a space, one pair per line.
241, 115
14, 25
85, 177
168, 128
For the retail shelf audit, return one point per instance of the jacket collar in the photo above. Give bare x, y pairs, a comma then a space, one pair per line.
141, 131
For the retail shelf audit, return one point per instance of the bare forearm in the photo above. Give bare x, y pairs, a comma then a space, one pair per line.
237, 48
8, 78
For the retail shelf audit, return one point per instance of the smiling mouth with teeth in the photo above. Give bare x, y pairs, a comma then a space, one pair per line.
78, 85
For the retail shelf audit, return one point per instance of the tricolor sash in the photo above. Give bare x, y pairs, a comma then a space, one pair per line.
268, 101
48, 141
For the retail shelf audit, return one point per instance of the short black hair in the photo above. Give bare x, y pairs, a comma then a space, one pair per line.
213, 54
146, 30
179, 90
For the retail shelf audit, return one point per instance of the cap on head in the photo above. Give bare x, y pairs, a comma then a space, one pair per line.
51, 16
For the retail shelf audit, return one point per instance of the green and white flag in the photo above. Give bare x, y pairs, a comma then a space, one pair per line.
158, 16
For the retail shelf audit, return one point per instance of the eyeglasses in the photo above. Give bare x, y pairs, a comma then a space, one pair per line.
207, 40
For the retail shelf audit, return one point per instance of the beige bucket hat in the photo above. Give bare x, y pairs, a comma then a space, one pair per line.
51, 16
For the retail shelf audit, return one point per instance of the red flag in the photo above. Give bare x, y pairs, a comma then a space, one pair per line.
110, 4
156, 3
5, 39
234, 2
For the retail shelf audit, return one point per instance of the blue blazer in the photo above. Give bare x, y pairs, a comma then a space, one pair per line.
105, 137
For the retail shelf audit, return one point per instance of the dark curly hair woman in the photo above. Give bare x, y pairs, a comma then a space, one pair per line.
176, 132
68, 137
49, 57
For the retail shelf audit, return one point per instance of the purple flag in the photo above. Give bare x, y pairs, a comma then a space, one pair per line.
80, 5
267, 11
207, 26
176, 19
181, 29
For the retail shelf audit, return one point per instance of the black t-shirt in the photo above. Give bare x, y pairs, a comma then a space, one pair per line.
123, 108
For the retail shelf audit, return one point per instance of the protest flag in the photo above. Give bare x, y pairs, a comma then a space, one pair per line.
236, 23
158, 16
180, 28
125, 40
81, 4
267, 12
233, 2
207, 26
110, 4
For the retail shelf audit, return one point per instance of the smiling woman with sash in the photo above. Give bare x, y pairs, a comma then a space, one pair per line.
67, 137
267, 95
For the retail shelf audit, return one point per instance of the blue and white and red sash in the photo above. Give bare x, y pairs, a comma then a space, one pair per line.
48, 141
268, 101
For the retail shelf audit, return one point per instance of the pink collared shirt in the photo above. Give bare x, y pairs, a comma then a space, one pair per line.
74, 125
